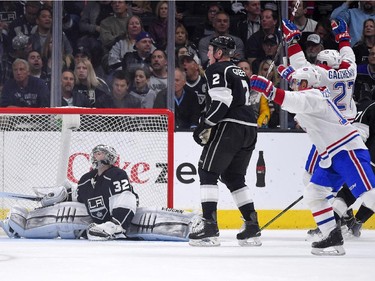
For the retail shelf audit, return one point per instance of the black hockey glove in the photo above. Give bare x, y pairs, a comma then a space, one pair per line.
202, 133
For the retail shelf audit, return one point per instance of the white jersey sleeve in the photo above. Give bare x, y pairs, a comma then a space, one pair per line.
323, 122
340, 82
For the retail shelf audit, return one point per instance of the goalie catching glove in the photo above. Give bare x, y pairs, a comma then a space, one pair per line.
109, 230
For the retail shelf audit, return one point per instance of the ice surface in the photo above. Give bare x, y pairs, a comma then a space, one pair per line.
284, 255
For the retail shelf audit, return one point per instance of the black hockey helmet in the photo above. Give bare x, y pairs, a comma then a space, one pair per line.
224, 43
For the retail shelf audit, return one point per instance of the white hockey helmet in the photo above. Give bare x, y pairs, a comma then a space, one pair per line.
308, 74
329, 57
110, 155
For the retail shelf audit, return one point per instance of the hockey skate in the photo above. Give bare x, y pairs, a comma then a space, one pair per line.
353, 226
330, 245
204, 233
250, 233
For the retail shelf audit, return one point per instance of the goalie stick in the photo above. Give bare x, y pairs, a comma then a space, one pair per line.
280, 214
272, 65
19, 196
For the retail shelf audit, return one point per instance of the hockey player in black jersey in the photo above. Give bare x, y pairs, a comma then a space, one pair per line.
365, 124
228, 134
106, 209
107, 194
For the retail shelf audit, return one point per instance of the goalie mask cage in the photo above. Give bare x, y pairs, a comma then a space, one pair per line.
45, 147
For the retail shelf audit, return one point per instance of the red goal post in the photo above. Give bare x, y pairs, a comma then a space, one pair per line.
42, 147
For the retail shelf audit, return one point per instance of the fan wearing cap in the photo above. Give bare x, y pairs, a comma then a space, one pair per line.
141, 57
314, 45
195, 79
269, 45
126, 44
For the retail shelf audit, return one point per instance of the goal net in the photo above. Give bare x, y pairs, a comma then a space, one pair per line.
45, 147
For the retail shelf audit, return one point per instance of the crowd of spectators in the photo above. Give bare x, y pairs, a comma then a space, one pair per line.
115, 52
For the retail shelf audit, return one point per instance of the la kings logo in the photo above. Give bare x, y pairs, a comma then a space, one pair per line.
97, 207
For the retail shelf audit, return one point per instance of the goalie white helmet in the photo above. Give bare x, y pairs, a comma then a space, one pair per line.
329, 57
110, 155
308, 74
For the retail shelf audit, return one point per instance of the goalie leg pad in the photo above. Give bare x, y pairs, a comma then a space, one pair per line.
161, 224
67, 220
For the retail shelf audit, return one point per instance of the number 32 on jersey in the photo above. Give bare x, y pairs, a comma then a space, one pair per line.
121, 185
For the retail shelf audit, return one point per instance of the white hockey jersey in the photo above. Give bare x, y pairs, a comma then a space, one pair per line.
323, 122
340, 82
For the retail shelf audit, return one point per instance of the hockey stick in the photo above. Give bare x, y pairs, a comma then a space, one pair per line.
272, 65
280, 214
19, 196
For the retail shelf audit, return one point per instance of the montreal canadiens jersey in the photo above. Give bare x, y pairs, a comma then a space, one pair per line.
96, 191
328, 130
228, 97
340, 82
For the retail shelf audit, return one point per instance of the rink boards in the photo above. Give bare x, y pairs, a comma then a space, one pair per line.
285, 154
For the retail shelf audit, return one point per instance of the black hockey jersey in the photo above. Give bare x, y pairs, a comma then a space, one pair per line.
228, 95
95, 191
200, 89
365, 122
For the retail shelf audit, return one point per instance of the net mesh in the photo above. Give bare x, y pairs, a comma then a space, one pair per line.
36, 149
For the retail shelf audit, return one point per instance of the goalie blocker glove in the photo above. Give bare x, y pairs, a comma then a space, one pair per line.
53, 195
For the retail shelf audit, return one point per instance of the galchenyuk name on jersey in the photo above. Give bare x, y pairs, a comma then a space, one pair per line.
341, 74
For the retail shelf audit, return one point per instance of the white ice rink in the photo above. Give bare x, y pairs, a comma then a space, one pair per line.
284, 255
